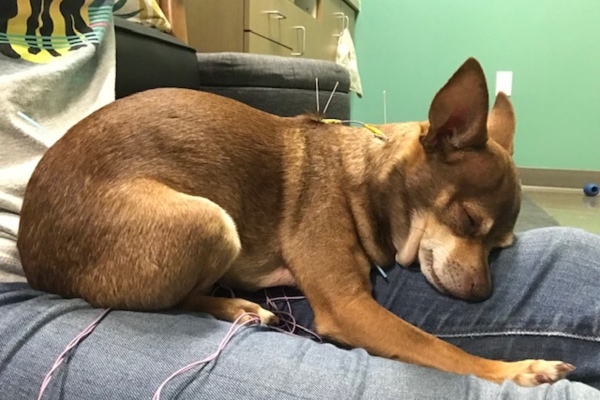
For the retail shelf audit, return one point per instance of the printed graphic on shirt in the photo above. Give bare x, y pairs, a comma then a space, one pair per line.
42, 30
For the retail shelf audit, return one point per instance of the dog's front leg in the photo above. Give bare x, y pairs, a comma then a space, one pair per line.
332, 271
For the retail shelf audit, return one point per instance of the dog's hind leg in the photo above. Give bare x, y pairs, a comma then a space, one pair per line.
141, 245
225, 308
136, 245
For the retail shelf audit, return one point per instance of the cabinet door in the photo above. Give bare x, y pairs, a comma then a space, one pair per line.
306, 35
270, 19
334, 16
317, 33
285, 23
257, 44
349, 15
215, 25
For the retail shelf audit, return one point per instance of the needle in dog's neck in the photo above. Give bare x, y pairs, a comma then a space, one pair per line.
322, 114
317, 91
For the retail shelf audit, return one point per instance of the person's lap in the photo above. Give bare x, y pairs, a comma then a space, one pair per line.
537, 311
546, 303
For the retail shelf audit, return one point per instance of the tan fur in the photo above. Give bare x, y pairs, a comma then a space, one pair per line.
150, 201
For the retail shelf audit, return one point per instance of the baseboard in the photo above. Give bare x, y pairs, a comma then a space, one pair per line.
558, 177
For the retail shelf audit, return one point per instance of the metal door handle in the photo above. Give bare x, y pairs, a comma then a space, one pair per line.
345, 22
275, 13
301, 52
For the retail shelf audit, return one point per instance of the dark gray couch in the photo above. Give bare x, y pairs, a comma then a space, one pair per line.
147, 58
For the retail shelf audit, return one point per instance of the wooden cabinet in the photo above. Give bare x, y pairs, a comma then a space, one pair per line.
280, 27
335, 16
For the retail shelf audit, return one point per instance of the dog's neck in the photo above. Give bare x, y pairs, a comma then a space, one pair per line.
384, 172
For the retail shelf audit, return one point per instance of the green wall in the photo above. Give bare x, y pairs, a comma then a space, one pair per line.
411, 47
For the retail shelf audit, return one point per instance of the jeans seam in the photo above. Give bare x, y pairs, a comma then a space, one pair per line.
520, 333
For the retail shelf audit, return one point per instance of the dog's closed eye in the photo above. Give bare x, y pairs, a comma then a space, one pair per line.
469, 223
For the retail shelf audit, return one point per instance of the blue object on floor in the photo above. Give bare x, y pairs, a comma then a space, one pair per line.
591, 189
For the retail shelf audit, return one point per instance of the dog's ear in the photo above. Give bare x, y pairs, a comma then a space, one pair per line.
501, 123
458, 112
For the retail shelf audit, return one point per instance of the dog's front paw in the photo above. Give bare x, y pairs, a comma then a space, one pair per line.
537, 372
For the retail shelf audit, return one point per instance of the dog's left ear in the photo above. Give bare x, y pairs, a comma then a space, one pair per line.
501, 123
458, 112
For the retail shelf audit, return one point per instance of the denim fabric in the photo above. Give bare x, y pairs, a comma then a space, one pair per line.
546, 304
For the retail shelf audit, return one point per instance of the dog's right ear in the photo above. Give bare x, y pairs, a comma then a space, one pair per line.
458, 112
501, 123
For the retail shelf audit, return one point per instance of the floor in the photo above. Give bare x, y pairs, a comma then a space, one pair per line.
570, 207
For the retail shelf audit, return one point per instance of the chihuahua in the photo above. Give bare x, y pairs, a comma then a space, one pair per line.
150, 201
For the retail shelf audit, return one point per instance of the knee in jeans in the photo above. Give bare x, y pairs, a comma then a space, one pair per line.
570, 237
562, 240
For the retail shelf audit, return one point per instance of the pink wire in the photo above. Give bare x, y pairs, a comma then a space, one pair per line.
72, 344
286, 298
286, 317
289, 322
235, 327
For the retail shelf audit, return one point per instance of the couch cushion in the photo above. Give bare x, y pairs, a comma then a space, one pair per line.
245, 69
278, 85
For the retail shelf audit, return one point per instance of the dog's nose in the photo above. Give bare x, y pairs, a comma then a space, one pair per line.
481, 291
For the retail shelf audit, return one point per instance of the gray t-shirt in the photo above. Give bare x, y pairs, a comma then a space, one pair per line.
47, 84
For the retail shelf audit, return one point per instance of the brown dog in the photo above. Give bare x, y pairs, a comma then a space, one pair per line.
150, 201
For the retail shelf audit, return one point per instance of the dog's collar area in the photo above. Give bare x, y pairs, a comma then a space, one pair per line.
376, 131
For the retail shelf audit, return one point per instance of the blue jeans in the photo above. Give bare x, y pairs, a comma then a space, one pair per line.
546, 304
